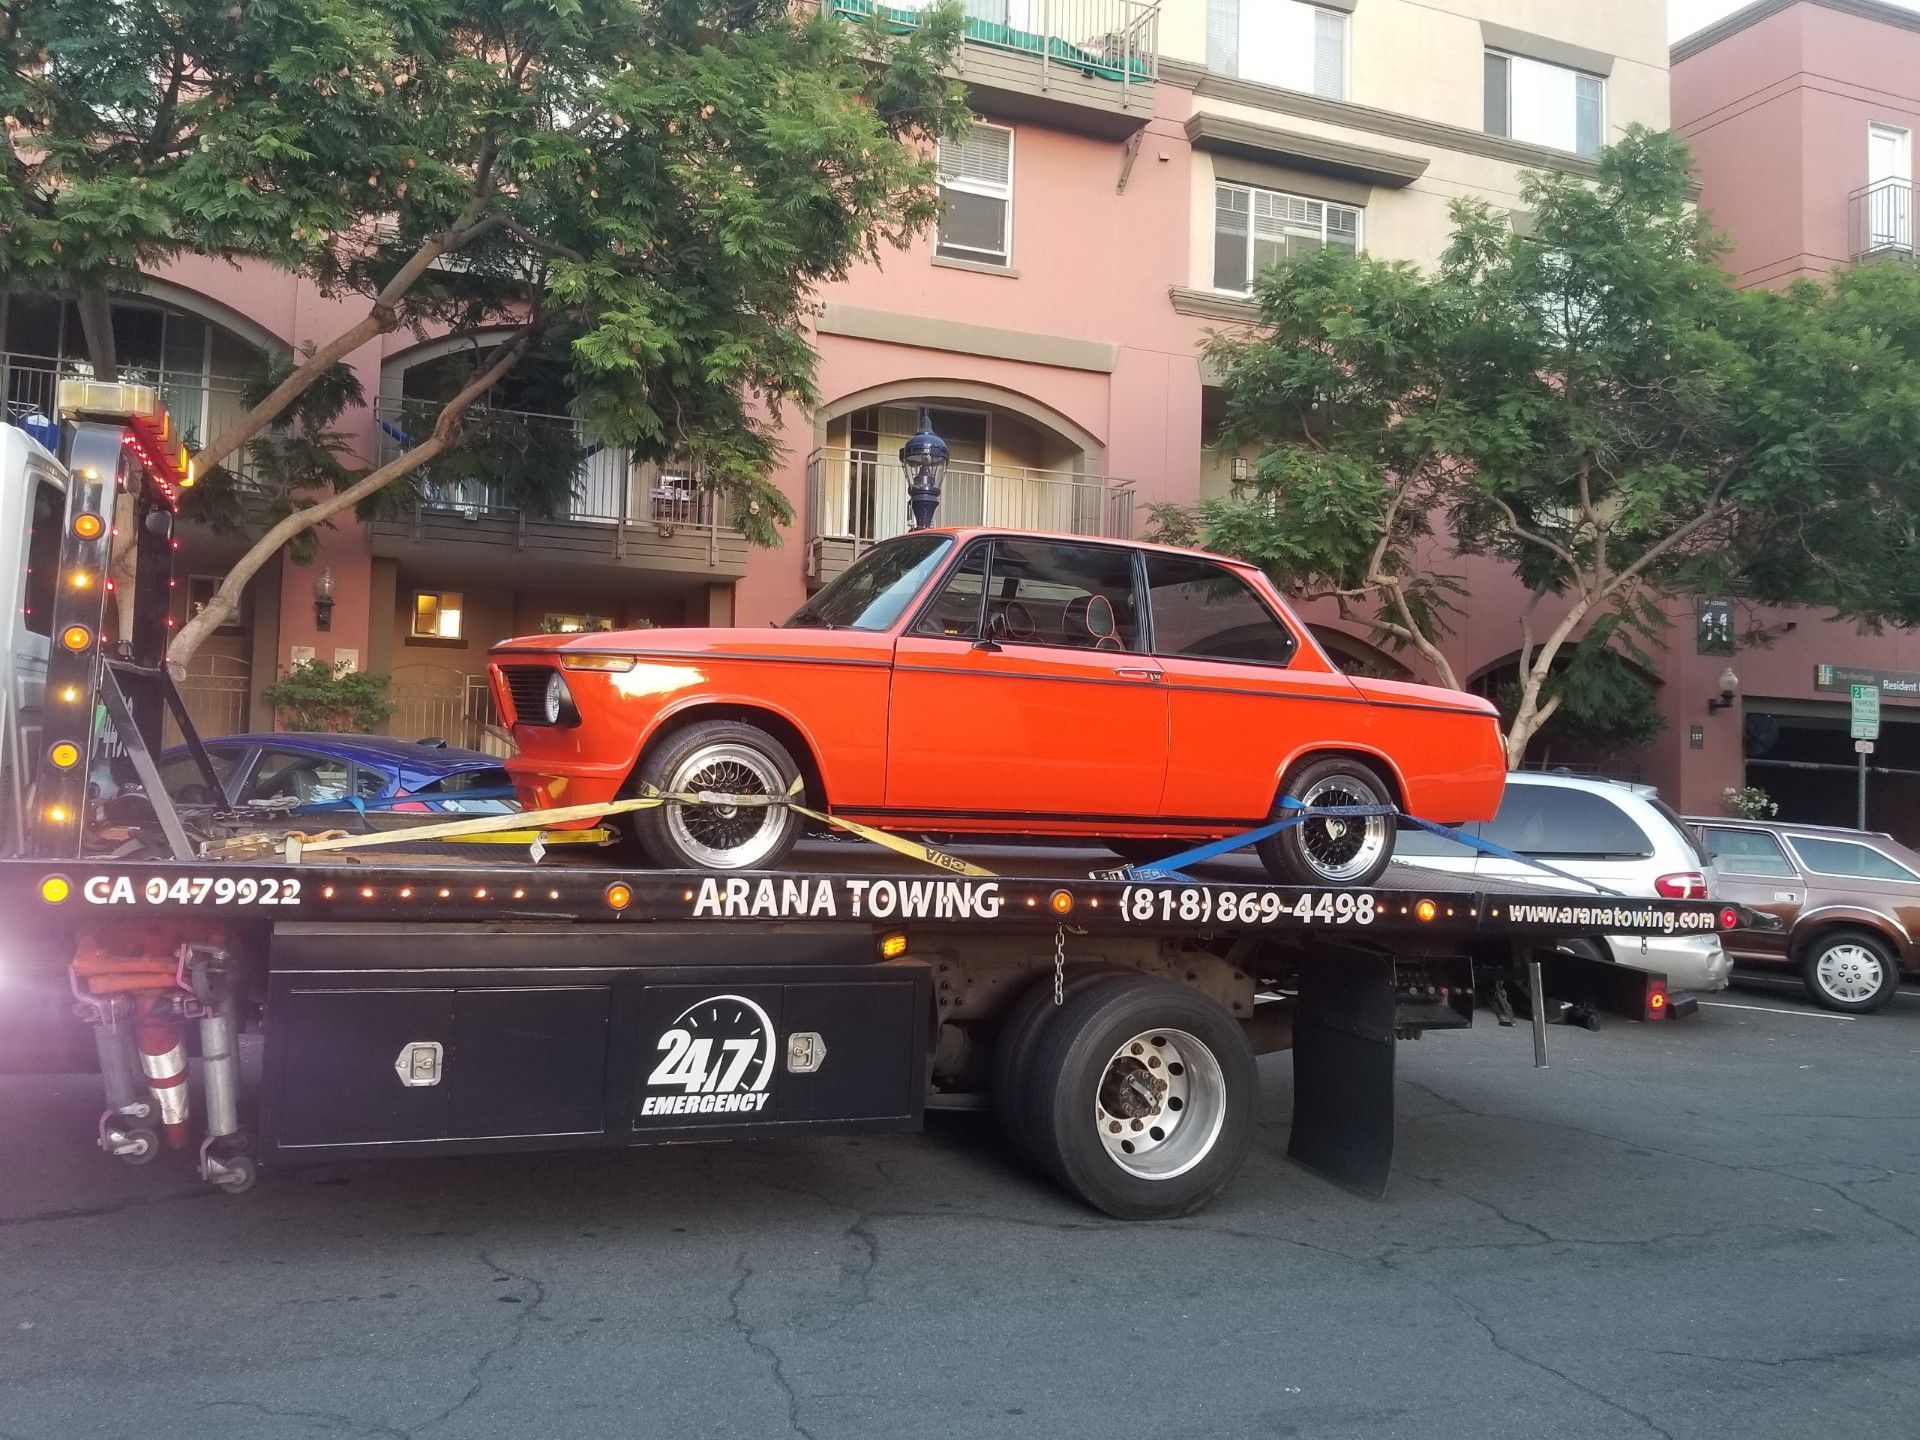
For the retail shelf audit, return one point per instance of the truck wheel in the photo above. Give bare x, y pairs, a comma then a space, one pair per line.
1013, 1048
1850, 970
727, 757
1332, 851
1140, 1097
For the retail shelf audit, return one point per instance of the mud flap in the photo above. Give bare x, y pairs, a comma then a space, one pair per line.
1343, 1042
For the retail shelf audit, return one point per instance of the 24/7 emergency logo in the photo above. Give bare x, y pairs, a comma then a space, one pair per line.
716, 1058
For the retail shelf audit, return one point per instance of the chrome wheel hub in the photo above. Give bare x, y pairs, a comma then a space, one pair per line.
1161, 1102
1850, 972
1342, 848
720, 834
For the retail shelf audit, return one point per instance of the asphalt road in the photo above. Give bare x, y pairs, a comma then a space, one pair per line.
1700, 1229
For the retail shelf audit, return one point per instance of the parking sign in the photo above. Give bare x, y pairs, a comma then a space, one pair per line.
1866, 712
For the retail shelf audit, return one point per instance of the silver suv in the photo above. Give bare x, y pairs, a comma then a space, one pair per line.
1614, 836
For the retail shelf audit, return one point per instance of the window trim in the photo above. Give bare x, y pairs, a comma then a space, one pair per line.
1792, 843
1574, 70
1359, 226
1153, 634
414, 637
968, 187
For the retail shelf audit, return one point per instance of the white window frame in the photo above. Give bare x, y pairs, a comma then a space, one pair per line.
944, 249
1359, 226
1238, 69
1513, 57
1903, 140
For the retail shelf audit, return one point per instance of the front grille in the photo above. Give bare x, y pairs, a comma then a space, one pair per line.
527, 689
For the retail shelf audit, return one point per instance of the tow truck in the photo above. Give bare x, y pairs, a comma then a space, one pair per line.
416, 992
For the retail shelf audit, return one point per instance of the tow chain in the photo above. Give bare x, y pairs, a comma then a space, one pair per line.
1059, 965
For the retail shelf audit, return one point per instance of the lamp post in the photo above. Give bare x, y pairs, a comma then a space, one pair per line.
925, 458
323, 600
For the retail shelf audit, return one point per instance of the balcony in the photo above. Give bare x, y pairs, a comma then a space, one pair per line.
857, 496
617, 512
1880, 221
1085, 65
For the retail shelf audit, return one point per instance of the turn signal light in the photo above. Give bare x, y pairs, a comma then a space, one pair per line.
892, 947
76, 638
1656, 1000
1426, 910
1061, 901
597, 662
89, 526
66, 755
1682, 885
619, 896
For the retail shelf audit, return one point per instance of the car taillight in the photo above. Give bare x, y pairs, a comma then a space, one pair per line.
1682, 885
1656, 999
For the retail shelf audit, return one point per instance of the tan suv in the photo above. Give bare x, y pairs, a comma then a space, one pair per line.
1850, 902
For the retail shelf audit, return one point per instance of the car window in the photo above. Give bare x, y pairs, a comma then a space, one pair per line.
43, 556
1680, 827
1056, 593
1548, 820
955, 611
872, 592
1748, 852
180, 777
462, 781
296, 775
1206, 611
1845, 857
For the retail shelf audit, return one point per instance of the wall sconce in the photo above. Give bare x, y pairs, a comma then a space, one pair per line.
1241, 469
323, 600
1729, 688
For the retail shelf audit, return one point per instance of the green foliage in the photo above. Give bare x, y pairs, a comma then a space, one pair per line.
1605, 702
1750, 802
649, 190
1589, 402
314, 695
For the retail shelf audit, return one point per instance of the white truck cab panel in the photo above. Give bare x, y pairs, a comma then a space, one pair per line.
33, 508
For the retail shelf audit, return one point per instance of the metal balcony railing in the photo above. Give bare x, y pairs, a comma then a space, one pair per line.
861, 495
1115, 40
607, 486
1880, 220
201, 405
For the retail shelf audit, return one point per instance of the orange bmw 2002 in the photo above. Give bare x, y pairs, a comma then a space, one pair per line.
1000, 682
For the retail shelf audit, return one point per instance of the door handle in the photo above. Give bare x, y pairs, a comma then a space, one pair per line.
1136, 672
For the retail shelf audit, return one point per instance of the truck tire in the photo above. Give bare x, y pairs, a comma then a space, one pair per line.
1851, 971
728, 757
1140, 1097
1323, 853
1013, 1048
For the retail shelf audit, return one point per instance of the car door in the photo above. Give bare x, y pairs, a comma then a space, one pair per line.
1242, 691
1055, 715
1752, 868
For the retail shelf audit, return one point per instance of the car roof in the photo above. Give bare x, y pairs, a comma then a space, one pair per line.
1593, 784
971, 532
371, 749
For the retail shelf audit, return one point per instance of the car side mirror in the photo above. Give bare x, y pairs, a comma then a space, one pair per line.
996, 632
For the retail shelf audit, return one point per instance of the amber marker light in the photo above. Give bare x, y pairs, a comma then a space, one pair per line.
57, 814
1426, 910
89, 526
66, 755
366, 892
1061, 902
81, 580
406, 892
76, 638
892, 947
69, 693
55, 889
619, 896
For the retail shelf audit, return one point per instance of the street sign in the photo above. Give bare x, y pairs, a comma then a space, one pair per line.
1866, 712
1863, 747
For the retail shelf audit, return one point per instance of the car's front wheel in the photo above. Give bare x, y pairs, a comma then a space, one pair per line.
719, 758
1850, 971
1334, 850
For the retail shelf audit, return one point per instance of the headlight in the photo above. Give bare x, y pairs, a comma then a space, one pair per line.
559, 701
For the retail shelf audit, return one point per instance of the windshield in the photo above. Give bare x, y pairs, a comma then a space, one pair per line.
871, 593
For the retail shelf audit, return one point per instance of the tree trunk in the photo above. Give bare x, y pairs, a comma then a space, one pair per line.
226, 600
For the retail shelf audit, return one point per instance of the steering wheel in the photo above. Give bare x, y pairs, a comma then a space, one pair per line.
1019, 620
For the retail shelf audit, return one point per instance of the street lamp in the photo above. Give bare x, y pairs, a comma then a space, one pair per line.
1729, 687
925, 458
323, 600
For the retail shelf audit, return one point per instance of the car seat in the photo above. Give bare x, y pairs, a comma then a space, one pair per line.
1089, 620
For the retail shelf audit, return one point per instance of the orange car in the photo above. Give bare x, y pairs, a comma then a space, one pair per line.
994, 682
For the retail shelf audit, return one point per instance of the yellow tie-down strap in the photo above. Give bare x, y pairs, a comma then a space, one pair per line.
485, 828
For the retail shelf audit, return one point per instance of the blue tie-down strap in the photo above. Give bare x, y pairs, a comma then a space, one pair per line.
1173, 867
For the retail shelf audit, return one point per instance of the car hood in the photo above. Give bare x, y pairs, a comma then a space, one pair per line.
762, 642
1405, 693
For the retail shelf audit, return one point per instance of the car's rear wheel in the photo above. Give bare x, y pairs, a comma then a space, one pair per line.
1850, 971
718, 757
1334, 850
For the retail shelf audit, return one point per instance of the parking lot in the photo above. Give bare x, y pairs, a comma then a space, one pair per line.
1704, 1228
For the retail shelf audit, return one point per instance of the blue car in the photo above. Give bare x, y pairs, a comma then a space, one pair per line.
306, 774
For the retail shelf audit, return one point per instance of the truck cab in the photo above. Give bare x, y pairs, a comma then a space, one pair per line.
33, 505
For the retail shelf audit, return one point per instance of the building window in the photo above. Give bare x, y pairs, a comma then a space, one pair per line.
200, 592
551, 624
1288, 43
1254, 228
436, 615
976, 196
1545, 104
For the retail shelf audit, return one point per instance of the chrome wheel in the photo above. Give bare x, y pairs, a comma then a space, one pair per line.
1160, 1104
725, 836
1342, 849
1850, 973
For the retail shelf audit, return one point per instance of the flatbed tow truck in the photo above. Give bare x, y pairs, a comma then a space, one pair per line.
417, 993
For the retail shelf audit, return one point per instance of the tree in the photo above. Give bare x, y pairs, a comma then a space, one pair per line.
1586, 400
647, 191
